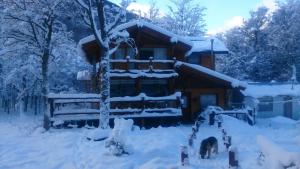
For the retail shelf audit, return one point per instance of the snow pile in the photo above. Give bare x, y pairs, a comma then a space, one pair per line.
84, 75
275, 157
278, 122
116, 143
261, 90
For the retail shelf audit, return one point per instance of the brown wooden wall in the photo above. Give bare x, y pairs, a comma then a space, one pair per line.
194, 107
207, 60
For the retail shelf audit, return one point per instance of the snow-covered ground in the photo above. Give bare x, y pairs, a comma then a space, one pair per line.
24, 144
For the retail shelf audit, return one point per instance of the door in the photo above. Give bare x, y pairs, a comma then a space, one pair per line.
186, 108
207, 100
288, 107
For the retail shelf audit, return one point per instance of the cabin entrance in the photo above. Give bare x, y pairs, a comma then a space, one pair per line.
207, 100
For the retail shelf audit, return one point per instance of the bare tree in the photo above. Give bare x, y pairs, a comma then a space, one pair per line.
185, 17
35, 28
103, 19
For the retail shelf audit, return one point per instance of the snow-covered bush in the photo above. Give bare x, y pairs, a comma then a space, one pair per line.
116, 143
274, 157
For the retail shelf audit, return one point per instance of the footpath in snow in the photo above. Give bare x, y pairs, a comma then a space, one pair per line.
24, 144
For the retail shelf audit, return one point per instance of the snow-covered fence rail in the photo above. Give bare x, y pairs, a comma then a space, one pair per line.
74, 107
246, 115
241, 114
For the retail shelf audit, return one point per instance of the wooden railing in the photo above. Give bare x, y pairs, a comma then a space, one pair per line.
74, 107
241, 114
149, 65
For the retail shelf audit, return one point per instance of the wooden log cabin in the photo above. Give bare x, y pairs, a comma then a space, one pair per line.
169, 77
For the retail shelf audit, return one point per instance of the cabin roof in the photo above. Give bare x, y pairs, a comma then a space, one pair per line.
234, 83
194, 44
258, 90
203, 45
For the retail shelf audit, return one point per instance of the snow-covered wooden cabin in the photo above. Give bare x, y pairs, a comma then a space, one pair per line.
170, 76
275, 99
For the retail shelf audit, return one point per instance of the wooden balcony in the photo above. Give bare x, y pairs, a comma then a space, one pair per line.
74, 107
143, 68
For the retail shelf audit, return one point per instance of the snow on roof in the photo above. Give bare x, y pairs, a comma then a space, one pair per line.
198, 44
140, 24
203, 44
258, 90
234, 82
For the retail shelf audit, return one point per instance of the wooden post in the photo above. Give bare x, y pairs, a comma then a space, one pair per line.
233, 162
184, 156
47, 115
191, 141
151, 64
227, 142
127, 63
212, 118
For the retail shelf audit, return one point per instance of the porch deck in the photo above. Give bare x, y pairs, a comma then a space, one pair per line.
76, 107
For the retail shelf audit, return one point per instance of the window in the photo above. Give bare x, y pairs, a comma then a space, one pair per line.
146, 53
120, 88
160, 53
208, 100
265, 104
131, 53
154, 87
120, 53
194, 59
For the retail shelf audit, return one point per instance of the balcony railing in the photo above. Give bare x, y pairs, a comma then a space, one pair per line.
72, 107
143, 68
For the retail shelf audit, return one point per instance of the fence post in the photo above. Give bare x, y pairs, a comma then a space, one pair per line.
127, 63
47, 115
184, 156
227, 142
151, 64
191, 141
233, 162
212, 118
220, 121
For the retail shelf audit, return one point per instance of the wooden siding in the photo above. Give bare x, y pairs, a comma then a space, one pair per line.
207, 60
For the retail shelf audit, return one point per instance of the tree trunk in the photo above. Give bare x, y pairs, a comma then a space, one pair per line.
105, 89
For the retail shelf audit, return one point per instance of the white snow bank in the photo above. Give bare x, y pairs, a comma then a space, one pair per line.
234, 82
275, 157
283, 120
84, 75
260, 90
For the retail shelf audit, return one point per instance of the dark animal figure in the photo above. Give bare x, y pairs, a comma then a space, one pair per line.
208, 146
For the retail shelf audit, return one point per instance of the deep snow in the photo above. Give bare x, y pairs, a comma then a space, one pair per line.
24, 144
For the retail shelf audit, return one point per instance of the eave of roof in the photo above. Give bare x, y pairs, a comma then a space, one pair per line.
235, 83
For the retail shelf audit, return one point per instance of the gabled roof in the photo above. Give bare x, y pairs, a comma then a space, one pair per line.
140, 24
212, 74
202, 44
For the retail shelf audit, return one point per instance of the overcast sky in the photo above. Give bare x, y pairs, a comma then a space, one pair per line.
220, 14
